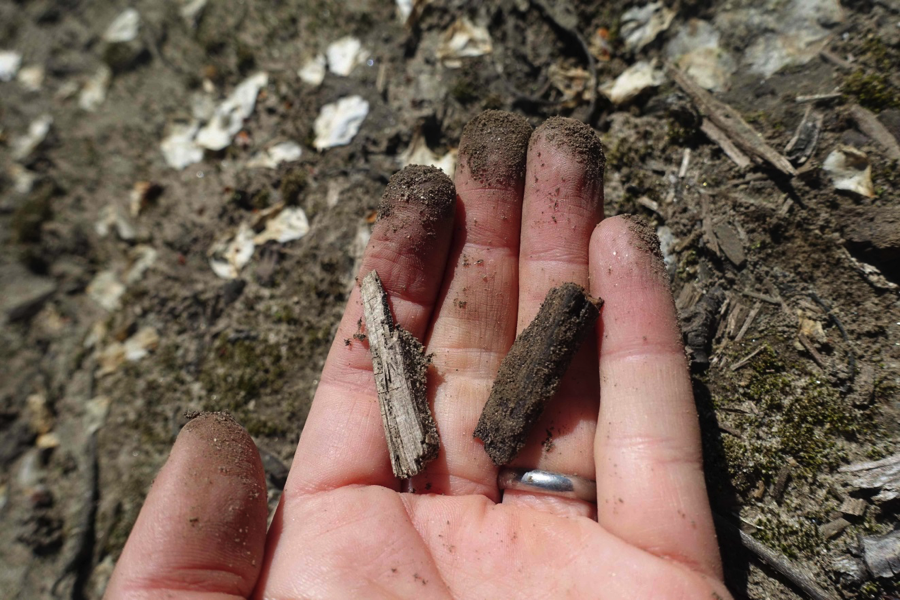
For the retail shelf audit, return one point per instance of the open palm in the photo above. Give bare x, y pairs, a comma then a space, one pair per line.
465, 277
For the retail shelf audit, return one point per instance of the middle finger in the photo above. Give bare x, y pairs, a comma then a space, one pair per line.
475, 323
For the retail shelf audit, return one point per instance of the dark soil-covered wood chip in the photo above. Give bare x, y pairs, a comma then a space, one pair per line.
531, 372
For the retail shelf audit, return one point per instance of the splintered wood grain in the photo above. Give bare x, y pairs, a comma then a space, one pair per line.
398, 360
531, 372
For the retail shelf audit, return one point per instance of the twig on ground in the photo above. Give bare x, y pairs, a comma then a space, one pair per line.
851, 356
779, 563
82, 552
870, 125
818, 97
730, 121
746, 359
753, 312
685, 163
762, 297
719, 137
817, 358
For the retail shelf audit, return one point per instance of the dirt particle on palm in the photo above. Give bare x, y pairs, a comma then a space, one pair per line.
531, 372
426, 189
577, 139
494, 146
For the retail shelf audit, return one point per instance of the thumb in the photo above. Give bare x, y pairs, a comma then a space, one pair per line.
201, 533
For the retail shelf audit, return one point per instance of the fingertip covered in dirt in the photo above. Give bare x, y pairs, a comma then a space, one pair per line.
493, 147
576, 139
427, 191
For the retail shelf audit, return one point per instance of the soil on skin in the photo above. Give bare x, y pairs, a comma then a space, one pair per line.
427, 188
493, 148
531, 371
647, 241
580, 141
776, 428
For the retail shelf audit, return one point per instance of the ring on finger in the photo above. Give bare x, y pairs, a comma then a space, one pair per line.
547, 482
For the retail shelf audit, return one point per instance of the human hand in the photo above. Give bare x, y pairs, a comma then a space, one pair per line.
525, 220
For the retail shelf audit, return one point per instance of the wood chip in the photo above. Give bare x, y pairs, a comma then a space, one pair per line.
881, 475
730, 121
730, 243
834, 528
753, 312
530, 374
855, 507
719, 137
806, 138
400, 369
882, 554
870, 125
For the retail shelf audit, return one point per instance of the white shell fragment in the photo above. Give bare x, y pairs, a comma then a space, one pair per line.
142, 257
140, 344
344, 55
93, 94
313, 71
277, 154
106, 290
229, 116
339, 122
640, 25
112, 218
288, 225
404, 9
23, 179
419, 153
31, 78
695, 50
185, 143
179, 148
133, 349
636, 78
191, 10
231, 253
9, 64
24, 145
124, 28
850, 170
463, 40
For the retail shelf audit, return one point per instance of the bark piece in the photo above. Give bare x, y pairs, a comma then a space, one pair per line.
400, 366
806, 138
883, 475
870, 125
531, 372
730, 121
882, 554
728, 147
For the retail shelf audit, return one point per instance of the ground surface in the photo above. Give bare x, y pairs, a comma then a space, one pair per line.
820, 392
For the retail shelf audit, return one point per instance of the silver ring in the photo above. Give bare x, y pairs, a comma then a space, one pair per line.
547, 482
